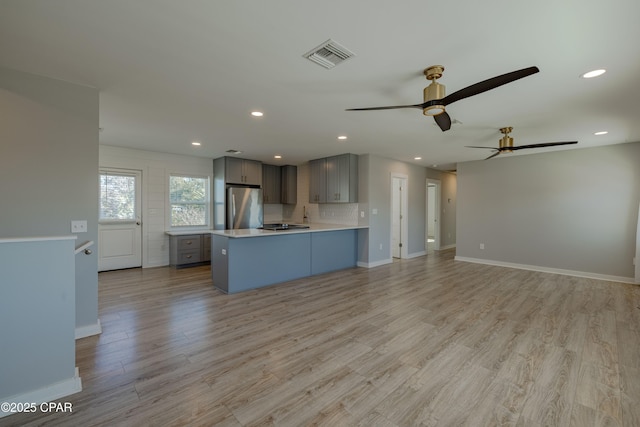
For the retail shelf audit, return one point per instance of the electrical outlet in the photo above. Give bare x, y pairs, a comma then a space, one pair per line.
380, 246
224, 252
361, 214
481, 245
78, 226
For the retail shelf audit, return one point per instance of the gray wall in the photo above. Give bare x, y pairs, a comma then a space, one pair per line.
374, 192
37, 316
49, 168
571, 210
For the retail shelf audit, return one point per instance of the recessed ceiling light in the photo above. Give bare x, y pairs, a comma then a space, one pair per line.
417, 158
196, 143
594, 73
257, 113
602, 132
277, 156
342, 137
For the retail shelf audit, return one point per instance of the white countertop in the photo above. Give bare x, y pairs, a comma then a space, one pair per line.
188, 231
313, 228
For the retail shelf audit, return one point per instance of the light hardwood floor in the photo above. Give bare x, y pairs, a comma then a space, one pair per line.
427, 341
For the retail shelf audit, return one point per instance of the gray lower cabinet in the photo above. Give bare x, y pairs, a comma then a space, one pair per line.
241, 264
190, 250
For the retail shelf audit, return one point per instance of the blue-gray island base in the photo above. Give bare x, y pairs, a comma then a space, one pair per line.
241, 264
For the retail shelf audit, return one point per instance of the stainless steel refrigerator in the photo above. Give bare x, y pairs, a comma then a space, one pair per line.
244, 207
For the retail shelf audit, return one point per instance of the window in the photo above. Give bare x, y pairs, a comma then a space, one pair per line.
117, 197
189, 199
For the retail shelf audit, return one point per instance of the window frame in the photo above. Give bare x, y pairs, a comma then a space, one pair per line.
206, 203
114, 172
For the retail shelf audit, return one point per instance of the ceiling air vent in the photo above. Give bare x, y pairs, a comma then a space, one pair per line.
234, 151
329, 54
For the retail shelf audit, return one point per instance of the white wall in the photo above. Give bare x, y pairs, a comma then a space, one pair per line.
156, 168
573, 210
37, 314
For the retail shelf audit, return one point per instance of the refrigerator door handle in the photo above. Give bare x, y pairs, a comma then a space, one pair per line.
233, 209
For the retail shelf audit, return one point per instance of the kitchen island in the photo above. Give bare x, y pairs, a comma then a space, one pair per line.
252, 258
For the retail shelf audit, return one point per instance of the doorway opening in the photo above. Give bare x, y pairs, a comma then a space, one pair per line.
432, 238
399, 229
120, 219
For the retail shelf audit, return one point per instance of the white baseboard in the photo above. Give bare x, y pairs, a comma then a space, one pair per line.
563, 272
48, 393
416, 254
375, 263
88, 330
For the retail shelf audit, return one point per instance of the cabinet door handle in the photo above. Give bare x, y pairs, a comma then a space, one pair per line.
189, 256
189, 242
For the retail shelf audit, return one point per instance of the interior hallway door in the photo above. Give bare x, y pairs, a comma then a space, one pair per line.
399, 232
120, 222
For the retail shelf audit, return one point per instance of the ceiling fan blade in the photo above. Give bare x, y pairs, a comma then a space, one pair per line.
393, 107
443, 120
488, 84
494, 154
546, 144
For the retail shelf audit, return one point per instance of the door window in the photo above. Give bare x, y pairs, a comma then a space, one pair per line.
117, 197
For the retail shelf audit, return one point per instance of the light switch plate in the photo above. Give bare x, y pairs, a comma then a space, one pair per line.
79, 226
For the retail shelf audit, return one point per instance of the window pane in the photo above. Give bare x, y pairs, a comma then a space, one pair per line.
188, 189
189, 199
117, 197
188, 214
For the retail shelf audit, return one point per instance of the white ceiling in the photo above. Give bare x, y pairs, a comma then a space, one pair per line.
171, 72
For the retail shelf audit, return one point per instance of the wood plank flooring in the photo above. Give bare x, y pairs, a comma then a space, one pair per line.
421, 342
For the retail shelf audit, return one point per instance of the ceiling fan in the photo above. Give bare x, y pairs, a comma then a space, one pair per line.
435, 100
506, 144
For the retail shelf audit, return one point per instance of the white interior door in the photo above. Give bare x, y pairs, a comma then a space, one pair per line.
120, 223
433, 215
398, 216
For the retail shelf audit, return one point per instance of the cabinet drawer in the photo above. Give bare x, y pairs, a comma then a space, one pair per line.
188, 257
189, 243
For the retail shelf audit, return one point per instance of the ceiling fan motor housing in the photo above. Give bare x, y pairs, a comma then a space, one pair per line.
506, 142
433, 92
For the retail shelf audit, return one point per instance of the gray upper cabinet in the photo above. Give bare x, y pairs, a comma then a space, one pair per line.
317, 181
242, 171
334, 179
271, 184
289, 184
